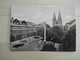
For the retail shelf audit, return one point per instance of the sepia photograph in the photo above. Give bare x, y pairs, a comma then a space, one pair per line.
43, 28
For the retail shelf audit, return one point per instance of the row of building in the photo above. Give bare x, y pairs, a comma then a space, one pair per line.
25, 29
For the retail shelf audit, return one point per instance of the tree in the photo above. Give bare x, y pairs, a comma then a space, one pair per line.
48, 26
34, 33
69, 42
57, 34
12, 38
40, 32
18, 37
48, 34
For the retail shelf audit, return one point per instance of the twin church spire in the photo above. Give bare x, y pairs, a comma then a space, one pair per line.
59, 15
57, 22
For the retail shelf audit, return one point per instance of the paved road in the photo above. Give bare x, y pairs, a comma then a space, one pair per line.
32, 45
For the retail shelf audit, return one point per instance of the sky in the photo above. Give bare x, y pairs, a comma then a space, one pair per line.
40, 14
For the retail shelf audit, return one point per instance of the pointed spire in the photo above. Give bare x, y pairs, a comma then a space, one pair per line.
59, 19
59, 15
54, 20
54, 16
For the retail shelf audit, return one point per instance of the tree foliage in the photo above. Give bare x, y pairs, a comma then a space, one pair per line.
40, 32
70, 39
56, 34
12, 38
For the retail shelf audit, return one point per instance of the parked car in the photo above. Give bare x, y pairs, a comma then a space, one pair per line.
23, 41
38, 37
18, 43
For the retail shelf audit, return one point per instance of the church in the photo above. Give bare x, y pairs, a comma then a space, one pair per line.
57, 22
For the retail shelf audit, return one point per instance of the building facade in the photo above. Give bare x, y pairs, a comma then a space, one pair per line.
69, 25
22, 29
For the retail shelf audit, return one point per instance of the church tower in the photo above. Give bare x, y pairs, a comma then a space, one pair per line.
54, 20
59, 19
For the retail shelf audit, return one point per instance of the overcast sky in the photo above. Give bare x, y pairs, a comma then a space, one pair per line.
39, 14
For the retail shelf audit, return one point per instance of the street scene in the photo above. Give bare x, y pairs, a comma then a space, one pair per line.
43, 28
